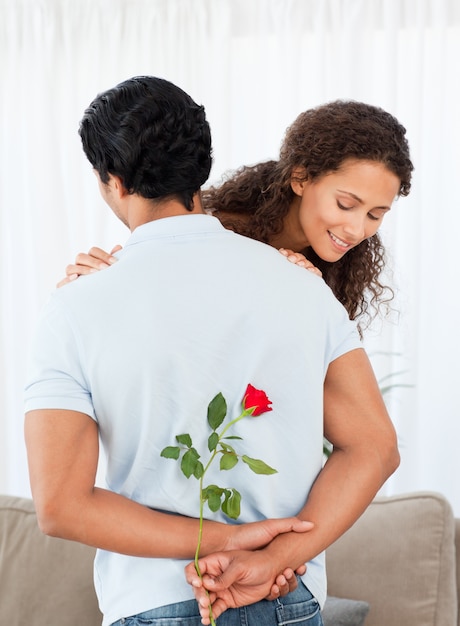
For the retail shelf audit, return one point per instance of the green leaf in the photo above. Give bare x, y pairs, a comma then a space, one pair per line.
199, 470
212, 495
185, 440
258, 466
234, 437
227, 448
171, 452
189, 462
228, 460
217, 410
231, 505
211, 489
213, 441
327, 447
214, 502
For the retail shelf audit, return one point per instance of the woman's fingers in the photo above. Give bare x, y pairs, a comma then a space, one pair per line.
87, 263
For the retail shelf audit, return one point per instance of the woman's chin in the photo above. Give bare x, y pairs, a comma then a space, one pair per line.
331, 256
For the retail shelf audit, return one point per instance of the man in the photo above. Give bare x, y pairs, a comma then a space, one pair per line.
133, 355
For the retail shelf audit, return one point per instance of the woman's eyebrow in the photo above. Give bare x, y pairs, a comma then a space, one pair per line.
348, 193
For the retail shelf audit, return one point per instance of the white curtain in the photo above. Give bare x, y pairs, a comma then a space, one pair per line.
254, 64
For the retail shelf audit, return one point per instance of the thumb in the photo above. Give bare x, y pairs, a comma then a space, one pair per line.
218, 583
302, 526
222, 581
292, 524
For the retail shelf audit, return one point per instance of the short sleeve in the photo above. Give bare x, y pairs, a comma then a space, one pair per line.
55, 378
343, 334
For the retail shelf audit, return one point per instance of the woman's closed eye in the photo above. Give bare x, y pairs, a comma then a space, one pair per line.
344, 207
377, 214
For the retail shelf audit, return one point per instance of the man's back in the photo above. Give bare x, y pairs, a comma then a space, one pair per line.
190, 310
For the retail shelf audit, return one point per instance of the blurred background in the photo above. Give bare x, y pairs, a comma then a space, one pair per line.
255, 65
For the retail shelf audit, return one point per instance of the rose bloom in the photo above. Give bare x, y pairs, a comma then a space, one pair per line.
256, 399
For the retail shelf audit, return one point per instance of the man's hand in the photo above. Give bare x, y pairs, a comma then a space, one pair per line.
285, 582
254, 535
237, 578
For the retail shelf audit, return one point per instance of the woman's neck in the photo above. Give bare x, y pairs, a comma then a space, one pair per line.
291, 236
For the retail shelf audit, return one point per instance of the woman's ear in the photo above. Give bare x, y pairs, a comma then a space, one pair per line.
298, 179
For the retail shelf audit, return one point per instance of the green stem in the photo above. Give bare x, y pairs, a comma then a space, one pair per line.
200, 536
237, 419
200, 531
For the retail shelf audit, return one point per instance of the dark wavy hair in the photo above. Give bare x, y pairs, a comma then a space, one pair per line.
152, 135
321, 140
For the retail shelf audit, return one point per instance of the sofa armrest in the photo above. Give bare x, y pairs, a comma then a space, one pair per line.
400, 558
43, 581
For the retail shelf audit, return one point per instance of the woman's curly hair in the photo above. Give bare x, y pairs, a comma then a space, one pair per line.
320, 141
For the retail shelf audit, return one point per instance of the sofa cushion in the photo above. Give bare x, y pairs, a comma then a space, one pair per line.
43, 581
344, 612
400, 558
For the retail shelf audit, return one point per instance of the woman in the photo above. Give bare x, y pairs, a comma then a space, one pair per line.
341, 166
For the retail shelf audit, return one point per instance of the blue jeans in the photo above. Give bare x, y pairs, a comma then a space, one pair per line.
299, 608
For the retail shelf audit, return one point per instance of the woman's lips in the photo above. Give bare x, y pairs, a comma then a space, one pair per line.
343, 245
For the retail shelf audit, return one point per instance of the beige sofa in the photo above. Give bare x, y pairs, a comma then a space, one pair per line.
400, 558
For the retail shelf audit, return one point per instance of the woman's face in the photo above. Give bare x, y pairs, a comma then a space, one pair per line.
340, 210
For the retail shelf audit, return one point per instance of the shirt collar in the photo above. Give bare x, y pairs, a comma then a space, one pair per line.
175, 226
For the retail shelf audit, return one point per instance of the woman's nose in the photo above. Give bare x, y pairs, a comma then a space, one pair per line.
355, 227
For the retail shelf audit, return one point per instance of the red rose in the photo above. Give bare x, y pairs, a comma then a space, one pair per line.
256, 399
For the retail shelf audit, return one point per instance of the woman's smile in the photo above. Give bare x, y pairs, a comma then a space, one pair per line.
342, 245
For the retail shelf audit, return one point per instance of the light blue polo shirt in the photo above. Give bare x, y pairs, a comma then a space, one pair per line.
191, 309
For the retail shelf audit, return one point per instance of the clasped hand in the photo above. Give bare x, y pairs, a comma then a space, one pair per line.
237, 578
